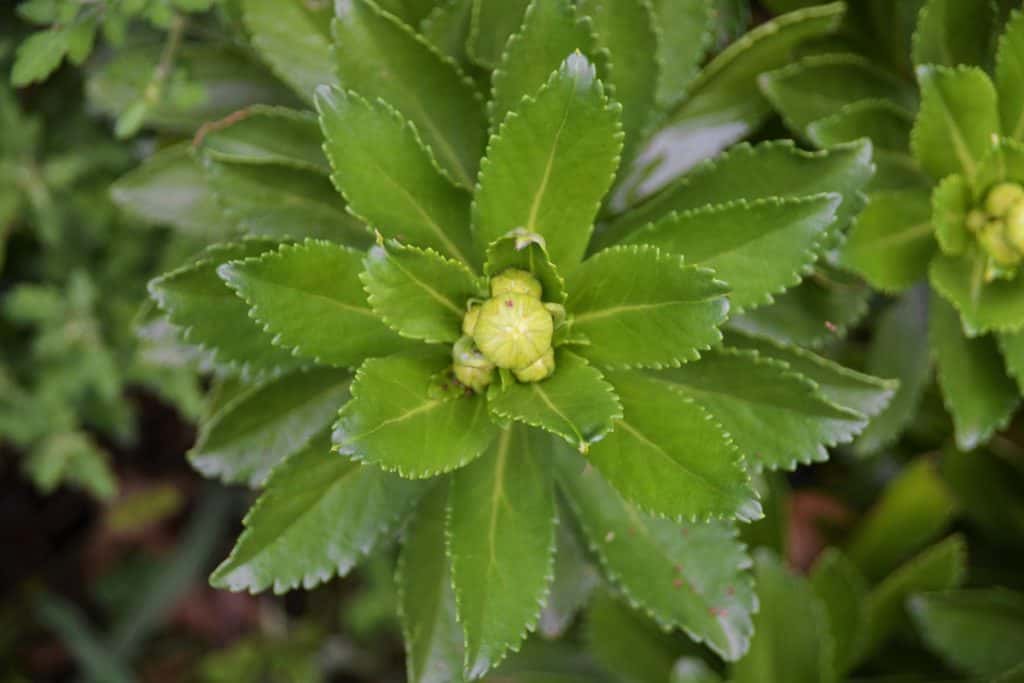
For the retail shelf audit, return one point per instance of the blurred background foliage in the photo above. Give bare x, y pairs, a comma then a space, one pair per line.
107, 536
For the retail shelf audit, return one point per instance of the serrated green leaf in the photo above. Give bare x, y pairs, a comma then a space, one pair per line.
1010, 77
526, 252
433, 640
950, 33
670, 458
822, 85
168, 188
958, 118
378, 56
575, 403
887, 125
549, 166
267, 135
310, 298
640, 307
724, 105
750, 173
551, 32
896, 352
398, 422
914, 509
625, 30
977, 392
792, 642
983, 306
891, 242
758, 248
843, 591
265, 423
294, 38
419, 293
951, 202
775, 416
940, 567
690, 577
501, 539
817, 311
388, 178
1012, 346
412, 12
318, 517
447, 29
575, 579
212, 317
685, 32
281, 202
865, 394
491, 24
978, 631
623, 641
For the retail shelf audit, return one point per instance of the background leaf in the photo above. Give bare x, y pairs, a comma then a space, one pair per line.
792, 640
979, 631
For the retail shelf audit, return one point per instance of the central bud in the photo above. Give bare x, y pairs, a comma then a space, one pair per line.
512, 330
999, 228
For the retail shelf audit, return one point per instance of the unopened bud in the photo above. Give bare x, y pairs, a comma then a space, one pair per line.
470, 366
513, 330
469, 321
514, 281
538, 370
1015, 227
993, 241
1002, 198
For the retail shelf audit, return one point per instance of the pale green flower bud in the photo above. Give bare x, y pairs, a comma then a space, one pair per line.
1002, 198
469, 321
538, 370
976, 220
470, 366
514, 281
1015, 227
993, 241
513, 330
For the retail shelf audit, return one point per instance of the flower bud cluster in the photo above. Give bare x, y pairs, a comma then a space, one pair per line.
999, 227
511, 330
